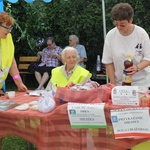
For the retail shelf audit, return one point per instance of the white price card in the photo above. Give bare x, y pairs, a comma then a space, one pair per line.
131, 122
83, 115
125, 95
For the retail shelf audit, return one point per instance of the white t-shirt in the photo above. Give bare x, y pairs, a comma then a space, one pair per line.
117, 47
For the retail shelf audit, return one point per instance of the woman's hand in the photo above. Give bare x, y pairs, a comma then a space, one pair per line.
2, 93
53, 55
22, 88
70, 84
132, 70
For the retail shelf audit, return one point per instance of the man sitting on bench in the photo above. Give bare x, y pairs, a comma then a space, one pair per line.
50, 59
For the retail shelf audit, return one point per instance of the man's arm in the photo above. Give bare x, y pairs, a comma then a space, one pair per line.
39, 55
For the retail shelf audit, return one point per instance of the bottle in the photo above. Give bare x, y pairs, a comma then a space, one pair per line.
126, 78
98, 65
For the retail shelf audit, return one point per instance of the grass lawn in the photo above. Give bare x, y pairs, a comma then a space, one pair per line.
14, 142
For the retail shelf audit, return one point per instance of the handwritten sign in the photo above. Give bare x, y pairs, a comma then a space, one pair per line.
86, 115
131, 122
125, 95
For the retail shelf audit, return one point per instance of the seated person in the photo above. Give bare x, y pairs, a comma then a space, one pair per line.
40, 45
70, 72
50, 59
74, 42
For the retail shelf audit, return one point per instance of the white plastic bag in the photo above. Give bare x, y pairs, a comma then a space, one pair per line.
46, 103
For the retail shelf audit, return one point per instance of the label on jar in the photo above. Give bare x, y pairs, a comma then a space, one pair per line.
126, 77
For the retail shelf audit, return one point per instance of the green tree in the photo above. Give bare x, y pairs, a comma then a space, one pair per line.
60, 18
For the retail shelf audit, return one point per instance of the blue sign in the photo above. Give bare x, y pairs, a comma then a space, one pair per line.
29, 1
12, 1
47, 1
1, 6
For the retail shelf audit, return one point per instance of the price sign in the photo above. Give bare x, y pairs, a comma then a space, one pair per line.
131, 122
86, 115
125, 95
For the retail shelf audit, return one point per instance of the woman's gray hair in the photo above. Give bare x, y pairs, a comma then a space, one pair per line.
69, 49
75, 38
51, 38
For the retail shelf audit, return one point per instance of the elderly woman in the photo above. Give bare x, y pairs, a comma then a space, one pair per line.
7, 60
70, 72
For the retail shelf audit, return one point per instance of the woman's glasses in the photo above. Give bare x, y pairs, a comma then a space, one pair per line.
119, 24
10, 28
49, 44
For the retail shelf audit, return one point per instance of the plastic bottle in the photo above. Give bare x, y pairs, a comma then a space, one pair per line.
126, 78
98, 65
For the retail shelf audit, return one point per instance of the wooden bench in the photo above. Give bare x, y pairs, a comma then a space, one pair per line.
24, 62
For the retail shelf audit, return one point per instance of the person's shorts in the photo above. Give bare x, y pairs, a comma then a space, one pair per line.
42, 69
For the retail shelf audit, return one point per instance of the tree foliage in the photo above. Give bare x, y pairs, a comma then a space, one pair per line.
60, 18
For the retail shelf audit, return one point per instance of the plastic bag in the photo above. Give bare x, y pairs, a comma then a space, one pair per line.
46, 103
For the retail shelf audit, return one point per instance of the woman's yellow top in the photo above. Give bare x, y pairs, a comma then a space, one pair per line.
6, 57
78, 76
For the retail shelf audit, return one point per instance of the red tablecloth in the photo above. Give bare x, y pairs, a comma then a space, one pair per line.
52, 130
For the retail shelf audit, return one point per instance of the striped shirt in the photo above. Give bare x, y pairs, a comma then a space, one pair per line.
50, 61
